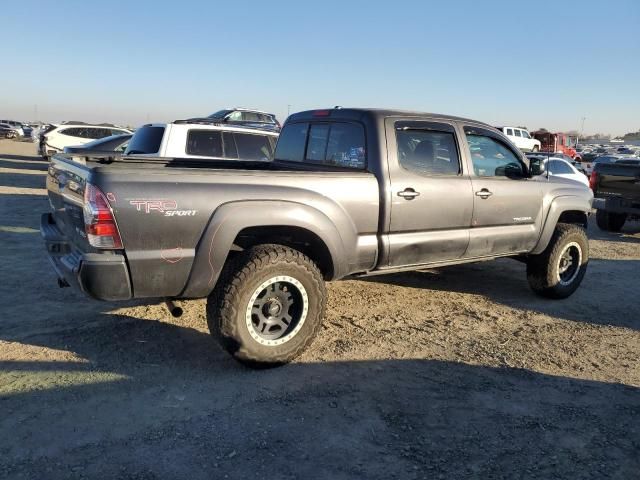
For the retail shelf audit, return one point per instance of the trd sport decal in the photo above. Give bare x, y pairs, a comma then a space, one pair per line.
169, 208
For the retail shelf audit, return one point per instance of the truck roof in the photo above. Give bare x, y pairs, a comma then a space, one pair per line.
374, 113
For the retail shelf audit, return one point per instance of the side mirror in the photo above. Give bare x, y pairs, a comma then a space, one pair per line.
536, 167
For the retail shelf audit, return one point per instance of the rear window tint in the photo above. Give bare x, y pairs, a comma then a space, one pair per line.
340, 144
145, 140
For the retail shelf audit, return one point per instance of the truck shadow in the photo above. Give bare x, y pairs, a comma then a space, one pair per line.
626, 235
136, 389
602, 298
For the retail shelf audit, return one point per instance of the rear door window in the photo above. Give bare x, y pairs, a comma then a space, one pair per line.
517, 133
146, 140
428, 152
510, 132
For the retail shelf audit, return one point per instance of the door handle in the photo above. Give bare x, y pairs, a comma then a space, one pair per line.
408, 194
484, 193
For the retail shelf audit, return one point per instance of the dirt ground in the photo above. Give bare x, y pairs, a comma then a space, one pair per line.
457, 373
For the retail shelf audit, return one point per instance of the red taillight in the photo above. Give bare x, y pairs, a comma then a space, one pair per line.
99, 222
593, 180
321, 113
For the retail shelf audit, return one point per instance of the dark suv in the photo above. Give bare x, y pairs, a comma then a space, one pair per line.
248, 118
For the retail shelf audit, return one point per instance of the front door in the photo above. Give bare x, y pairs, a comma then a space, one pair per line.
507, 204
431, 197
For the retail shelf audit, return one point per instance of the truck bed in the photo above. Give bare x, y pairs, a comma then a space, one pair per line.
166, 208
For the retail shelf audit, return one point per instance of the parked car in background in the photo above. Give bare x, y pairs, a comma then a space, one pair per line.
616, 189
202, 139
247, 117
114, 143
559, 167
71, 134
17, 126
24, 129
521, 138
9, 131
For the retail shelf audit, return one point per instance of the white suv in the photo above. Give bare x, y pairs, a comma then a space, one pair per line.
200, 139
521, 138
72, 134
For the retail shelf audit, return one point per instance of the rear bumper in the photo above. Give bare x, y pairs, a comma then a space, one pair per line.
617, 205
100, 275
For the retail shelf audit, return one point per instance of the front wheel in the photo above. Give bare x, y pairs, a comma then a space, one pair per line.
558, 271
267, 306
535, 148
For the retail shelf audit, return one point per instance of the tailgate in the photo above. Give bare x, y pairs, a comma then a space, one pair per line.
620, 181
66, 182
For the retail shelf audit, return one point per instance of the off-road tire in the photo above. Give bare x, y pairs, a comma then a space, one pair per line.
227, 304
609, 221
543, 269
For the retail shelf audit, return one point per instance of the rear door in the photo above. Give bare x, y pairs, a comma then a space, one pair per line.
431, 196
507, 205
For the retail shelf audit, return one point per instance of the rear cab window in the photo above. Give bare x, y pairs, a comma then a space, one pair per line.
428, 150
340, 144
146, 140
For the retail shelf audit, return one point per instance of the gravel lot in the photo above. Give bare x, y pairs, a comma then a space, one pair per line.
456, 373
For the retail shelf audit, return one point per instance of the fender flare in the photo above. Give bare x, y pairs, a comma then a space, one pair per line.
558, 206
231, 218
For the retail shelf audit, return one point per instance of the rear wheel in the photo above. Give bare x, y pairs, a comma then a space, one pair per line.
268, 305
558, 271
609, 221
535, 148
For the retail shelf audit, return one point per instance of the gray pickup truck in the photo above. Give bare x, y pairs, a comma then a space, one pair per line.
351, 193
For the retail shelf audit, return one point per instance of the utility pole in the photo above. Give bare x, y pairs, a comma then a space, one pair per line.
581, 130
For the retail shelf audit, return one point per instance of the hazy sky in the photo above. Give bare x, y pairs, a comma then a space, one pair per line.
538, 63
